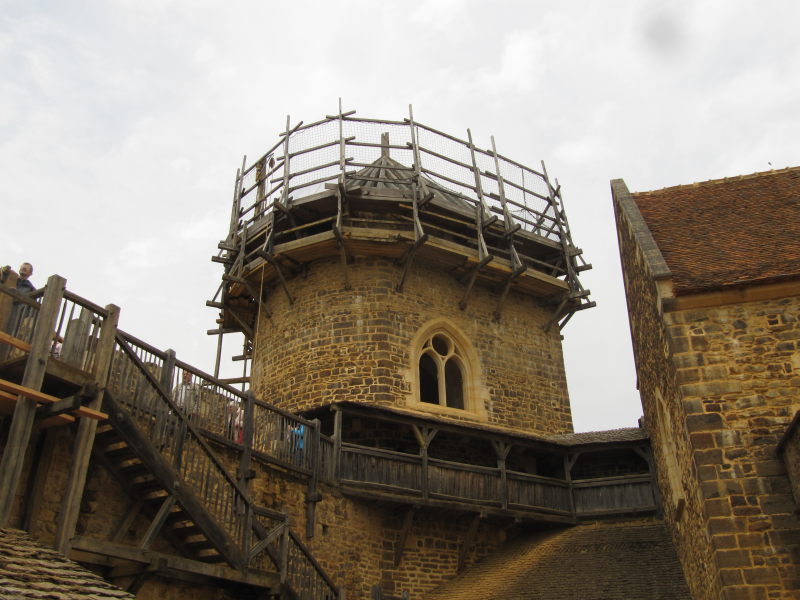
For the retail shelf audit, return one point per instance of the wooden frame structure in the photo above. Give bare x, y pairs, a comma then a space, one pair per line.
348, 186
147, 441
133, 419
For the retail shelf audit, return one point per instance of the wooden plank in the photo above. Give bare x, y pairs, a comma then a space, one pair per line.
21, 390
102, 548
158, 522
12, 341
400, 545
25, 411
469, 539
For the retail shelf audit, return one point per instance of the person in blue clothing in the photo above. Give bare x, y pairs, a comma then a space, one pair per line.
297, 441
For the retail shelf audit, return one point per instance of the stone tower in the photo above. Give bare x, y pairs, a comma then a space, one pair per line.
388, 264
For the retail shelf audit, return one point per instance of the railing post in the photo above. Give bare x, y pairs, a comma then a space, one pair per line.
502, 449
284, 555
312, 495
337, 443
569, 461
424, 437
25, 411
168, 370
245, 474
84, 440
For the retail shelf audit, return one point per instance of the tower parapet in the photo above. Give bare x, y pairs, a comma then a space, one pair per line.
351, 229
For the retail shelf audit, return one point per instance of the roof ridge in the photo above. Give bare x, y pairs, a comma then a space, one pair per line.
710, 182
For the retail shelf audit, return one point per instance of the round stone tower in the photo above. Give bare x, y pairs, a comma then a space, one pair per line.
387, 263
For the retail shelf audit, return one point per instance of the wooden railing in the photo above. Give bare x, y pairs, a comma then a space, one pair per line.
613, 494
172, 422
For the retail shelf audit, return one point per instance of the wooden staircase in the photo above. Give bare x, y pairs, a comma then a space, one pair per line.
170, 473
189, 528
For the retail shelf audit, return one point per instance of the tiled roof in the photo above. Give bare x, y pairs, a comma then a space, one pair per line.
727, 232
29, 569
626, 434
604, 561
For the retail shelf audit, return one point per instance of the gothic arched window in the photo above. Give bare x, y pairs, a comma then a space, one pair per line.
441, 372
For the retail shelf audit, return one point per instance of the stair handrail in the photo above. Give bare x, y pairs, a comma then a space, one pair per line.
175, 437
249, 513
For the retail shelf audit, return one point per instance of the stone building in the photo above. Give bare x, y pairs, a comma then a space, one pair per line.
406, 429
712, 275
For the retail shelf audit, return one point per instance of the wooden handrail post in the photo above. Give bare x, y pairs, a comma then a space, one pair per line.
168, 370
25, 411
244, 475
424, 437
569, 462
284, 555
312, 495
502, 449
337, 443
245, 472
84, 440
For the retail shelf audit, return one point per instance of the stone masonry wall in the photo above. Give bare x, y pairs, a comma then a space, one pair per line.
791, 459
739, 371
683, 506
335, 345
355, 540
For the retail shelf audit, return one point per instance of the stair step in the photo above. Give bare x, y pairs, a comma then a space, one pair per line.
147, 486
117, 455
211, 558
199, 546
106, 438
133, 469
185, 531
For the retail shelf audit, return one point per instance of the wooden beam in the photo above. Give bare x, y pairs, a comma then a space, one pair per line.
127, 522
469, 538
84, 440
482, 263
27, 392
158, 522
105, 549
22, 423
400, 545
15, 342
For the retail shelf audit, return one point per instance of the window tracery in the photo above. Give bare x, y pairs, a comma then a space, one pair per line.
441, 372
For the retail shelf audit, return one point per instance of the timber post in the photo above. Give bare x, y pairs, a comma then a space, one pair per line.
313, 495
502, 449
337, 442
25, 411
168, 369
84, 440
424, 437
245, 474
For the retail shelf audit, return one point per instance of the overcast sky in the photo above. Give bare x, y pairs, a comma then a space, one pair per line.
122, 123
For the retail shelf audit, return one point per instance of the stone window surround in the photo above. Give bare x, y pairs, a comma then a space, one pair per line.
468, 361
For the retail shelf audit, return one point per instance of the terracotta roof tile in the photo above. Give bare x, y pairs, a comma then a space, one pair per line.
727, 232
625, 434
30, 570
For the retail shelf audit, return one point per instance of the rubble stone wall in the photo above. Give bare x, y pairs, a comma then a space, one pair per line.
334, 344
683, 504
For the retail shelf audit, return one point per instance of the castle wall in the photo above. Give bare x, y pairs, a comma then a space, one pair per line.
738, 367
334, 344
719, 387
355, 540
791, 459
683, 504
